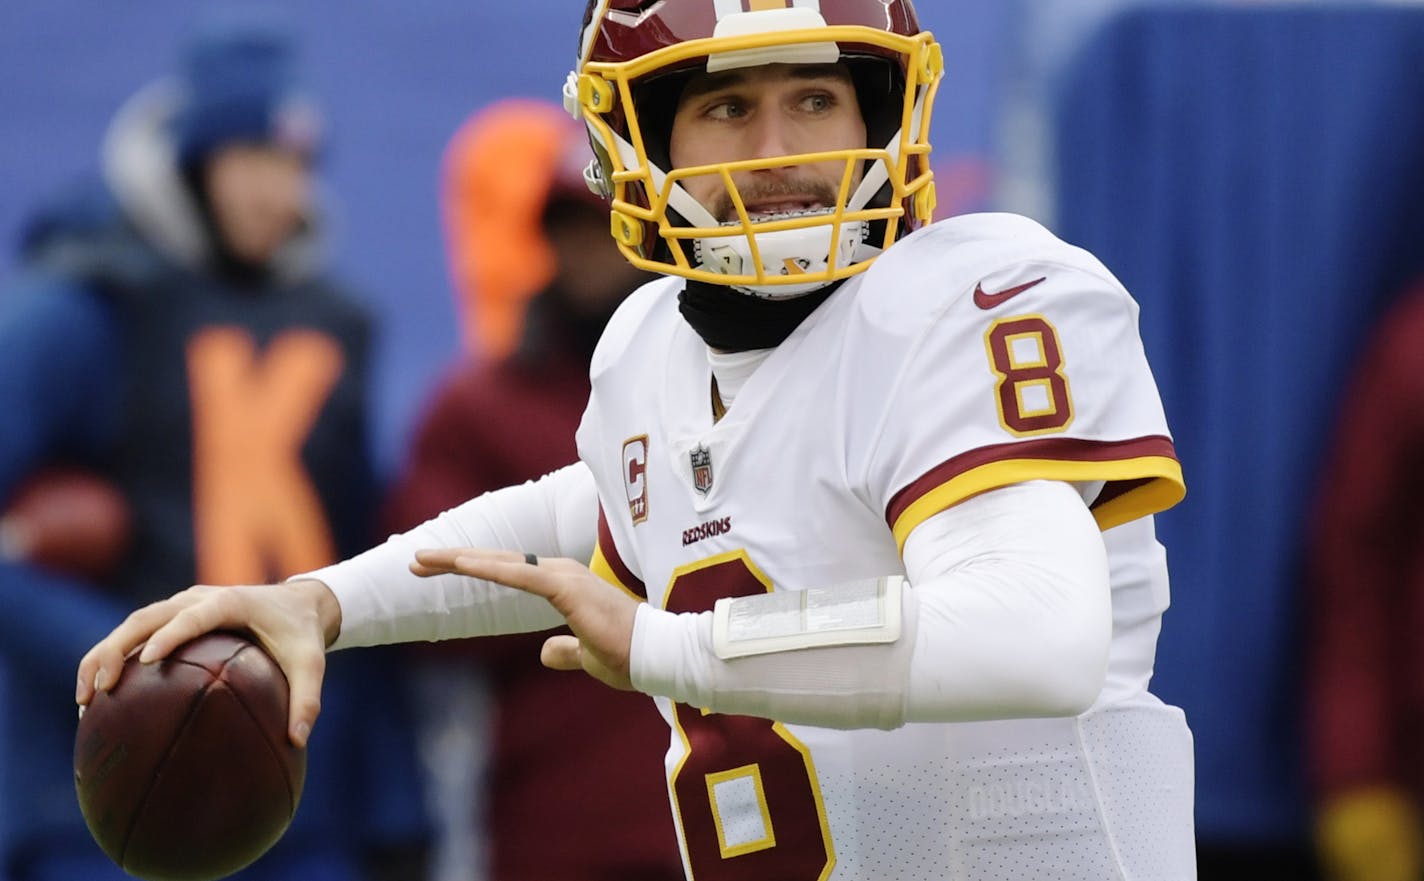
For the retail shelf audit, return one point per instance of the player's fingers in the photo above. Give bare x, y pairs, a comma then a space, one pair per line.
304, 674
512, 568
434, 561
446, 560
561, 653
217, 609
98, 669
543, 577
100, 666
441, 561
426, 571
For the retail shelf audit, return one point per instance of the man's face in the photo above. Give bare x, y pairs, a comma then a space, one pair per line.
765, 111
259, 196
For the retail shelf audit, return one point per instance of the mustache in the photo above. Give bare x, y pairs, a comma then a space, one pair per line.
803, 189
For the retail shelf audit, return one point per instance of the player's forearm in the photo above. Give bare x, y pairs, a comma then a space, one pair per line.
382, 601
1018, 628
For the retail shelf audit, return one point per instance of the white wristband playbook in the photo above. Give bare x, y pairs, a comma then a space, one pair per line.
863, 612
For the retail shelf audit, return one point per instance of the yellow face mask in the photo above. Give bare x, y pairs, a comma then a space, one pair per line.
884, 190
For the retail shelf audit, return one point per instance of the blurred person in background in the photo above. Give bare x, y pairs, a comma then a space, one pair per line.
1367, 608
537, 278
184, 395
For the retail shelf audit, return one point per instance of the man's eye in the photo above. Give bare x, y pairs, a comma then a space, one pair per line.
818, 103
726, 110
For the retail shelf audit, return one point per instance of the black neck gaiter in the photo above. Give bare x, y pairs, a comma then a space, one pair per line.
734, 322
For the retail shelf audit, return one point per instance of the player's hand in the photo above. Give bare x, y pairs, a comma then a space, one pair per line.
294, 622
600, 615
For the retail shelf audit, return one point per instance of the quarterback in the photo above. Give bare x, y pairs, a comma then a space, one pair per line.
863, 501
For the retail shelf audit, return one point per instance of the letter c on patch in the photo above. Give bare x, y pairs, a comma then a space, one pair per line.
635, 476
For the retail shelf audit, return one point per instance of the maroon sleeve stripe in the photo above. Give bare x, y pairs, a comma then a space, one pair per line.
1058, 449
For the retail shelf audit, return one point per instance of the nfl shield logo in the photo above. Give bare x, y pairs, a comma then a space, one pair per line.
702, 469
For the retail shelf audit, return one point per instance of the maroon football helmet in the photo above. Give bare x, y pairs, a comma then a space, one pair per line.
634, 56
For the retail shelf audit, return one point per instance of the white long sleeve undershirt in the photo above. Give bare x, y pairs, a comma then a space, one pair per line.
1009, 616
383, 602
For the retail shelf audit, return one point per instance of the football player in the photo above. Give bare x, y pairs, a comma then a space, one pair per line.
868, 499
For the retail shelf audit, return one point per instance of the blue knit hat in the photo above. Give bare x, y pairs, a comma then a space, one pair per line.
238, 75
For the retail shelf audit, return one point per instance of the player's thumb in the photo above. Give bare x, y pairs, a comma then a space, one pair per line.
561, 653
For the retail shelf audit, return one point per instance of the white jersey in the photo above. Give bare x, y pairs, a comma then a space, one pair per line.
976, 353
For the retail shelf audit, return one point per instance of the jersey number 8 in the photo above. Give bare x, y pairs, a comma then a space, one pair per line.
1032, 392
745, 791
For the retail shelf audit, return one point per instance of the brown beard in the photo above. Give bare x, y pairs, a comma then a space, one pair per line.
805, 189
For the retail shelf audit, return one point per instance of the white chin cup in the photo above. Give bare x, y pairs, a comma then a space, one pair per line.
784, 253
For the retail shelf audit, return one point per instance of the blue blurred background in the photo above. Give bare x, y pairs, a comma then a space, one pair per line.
1253, 172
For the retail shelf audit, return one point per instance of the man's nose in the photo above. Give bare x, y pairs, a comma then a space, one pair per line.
772, 135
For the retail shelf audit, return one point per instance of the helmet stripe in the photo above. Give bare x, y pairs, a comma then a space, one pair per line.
591, 31
725, 8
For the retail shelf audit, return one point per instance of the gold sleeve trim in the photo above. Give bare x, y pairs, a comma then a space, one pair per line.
1163, 489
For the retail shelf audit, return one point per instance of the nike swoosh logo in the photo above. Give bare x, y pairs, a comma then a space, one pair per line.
989, 301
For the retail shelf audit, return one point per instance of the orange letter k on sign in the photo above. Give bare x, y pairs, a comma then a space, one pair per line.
257, 516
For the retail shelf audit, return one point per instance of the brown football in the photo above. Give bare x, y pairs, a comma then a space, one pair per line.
184, 770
